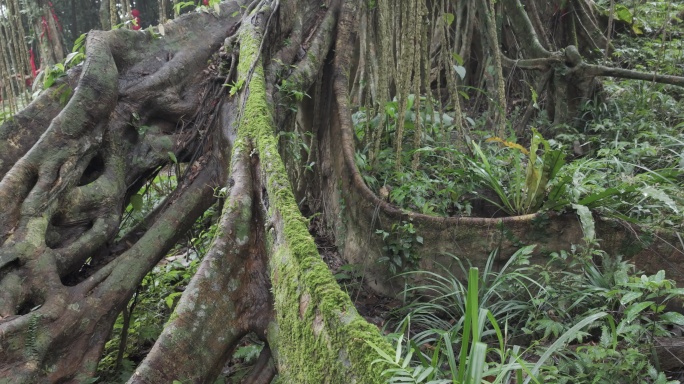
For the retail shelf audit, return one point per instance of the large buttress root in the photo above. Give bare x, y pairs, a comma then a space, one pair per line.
227, 298
311, 327
72, 171
69, 172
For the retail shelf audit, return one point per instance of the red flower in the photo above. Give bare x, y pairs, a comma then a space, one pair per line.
136, 18
136, 25
205, 2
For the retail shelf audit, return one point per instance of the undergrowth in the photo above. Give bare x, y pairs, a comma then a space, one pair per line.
623, 157
631, 168
584, 317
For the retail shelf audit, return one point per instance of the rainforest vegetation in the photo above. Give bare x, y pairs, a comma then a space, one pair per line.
341, 191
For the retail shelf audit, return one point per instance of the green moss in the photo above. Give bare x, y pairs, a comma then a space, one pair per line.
322, 339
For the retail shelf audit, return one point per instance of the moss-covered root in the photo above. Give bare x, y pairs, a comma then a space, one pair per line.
317, 335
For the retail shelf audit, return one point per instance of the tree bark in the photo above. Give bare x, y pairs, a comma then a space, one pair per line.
105, 21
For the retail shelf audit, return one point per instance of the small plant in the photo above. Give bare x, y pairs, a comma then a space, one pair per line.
522, 186
52, 74
470, 365
290, 94
178, 7
235, 87
59, 70
349, 276
635, 304
400, 253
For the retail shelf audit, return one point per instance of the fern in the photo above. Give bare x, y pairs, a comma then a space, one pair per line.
32, 337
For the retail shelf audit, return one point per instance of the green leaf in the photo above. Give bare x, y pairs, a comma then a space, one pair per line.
74, 58
143, 129
49, 80
422, 376
79, 43
622, 13
449, 18
458, 58
170, 299
587, 221
461, 71
137, 202
476, 362
183, 4
588, 200
470, 324
172, 156
634, 310
673, 317
560, 342
629, 297
661, 196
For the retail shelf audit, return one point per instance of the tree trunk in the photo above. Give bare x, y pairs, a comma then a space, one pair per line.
49, 34
105, 18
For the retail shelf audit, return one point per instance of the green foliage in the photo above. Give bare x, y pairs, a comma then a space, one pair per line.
152, 305
177, 7
145, 200
399, 248
52, 74
624, 190
58, 70
5, 116
235, 87
439, 186
349, 277
635, 173
77, 54
295, 144
628, 145
243, 360
470, 366
506, 294
291, 94
32, 336
620, 351
587, 321
521, 189
181, 7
